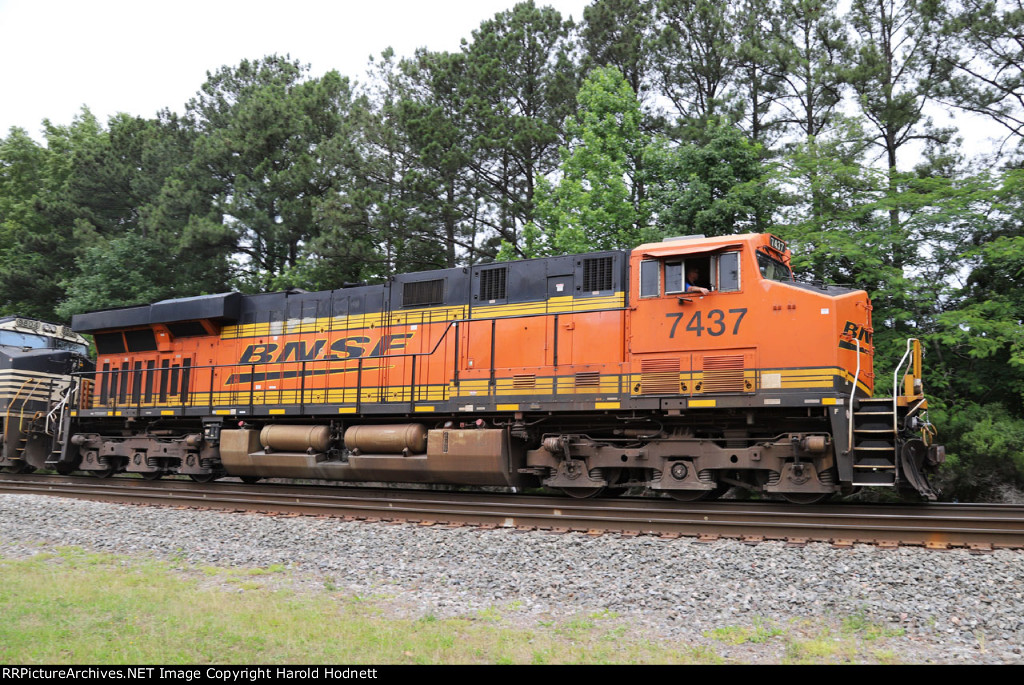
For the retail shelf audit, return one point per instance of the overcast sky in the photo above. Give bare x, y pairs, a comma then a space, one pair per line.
140, 56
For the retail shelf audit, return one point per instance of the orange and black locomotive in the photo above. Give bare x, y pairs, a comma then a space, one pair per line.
687, 366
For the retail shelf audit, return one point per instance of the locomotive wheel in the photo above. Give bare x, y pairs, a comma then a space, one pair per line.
203, 477
105, 473
583, 493
151, 475
805, 497
249, 480
20, 467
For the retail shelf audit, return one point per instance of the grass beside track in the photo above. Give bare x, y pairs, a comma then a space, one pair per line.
70, 606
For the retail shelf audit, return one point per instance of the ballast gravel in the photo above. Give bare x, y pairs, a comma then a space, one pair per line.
951, 607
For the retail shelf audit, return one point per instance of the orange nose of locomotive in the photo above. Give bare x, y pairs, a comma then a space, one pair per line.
817, 331
855, 348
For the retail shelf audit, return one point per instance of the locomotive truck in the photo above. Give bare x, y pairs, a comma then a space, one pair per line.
585, 373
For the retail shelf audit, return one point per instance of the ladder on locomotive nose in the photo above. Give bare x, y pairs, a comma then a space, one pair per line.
874, 443
875, 428
24, 393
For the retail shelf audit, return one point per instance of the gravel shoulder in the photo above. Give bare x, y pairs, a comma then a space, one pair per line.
919, 606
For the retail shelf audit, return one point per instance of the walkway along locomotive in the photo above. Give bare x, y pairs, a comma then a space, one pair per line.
581, 373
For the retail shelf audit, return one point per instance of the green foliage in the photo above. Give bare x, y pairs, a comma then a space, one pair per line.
370, 223
988, 62
830, 200
859, 624
24, 183
761, 67
762, 631
124, 188
116, 272
898, 66
695, 58
982, 335
520, 85
273, 144
22, 178
718, 186
593, 206
427, 107
42, 224
814, 51
985, 451
618, 33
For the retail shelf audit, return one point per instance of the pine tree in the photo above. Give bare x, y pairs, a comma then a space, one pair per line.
592, 206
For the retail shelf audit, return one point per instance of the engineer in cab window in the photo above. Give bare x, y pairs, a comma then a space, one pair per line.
691, 282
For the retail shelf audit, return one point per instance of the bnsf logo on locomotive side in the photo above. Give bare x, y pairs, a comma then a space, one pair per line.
855, 331
351, 347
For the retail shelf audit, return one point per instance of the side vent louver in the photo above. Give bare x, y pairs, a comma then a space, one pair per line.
659, 377
588, 380
524, 382
723, 374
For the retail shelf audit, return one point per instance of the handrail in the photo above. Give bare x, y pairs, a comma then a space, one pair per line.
895, 403
853, 392
60, 407
895, 376
132, 398
451, 324
21, 415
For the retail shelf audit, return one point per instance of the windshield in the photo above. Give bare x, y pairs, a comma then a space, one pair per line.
772, 268
39, 342
19, 339
59, 344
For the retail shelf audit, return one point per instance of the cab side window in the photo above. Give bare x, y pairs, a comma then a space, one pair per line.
673, 277
729, 272
719, 272
650, 278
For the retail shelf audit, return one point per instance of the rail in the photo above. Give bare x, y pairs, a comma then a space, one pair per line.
937, 526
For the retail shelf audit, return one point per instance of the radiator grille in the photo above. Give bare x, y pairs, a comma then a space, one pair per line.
597, 274
723, 374
421, 293
492, 284
659, 377
588, 380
